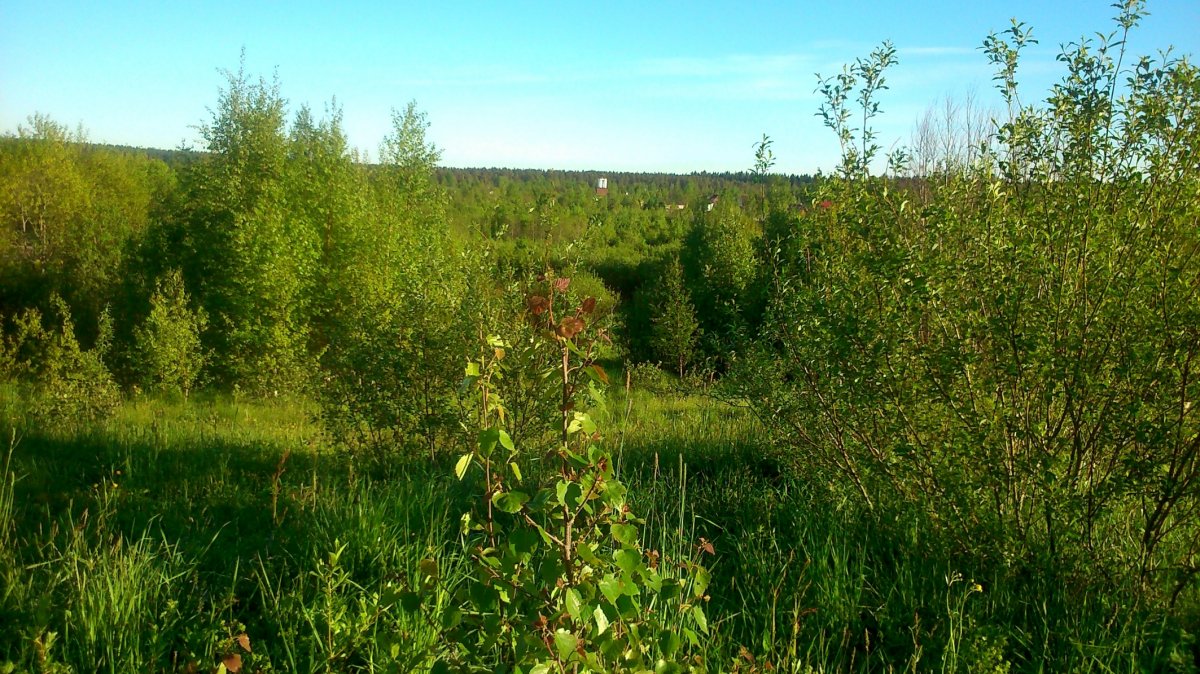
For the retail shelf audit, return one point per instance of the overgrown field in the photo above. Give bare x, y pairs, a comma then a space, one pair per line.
277, 409
157, 539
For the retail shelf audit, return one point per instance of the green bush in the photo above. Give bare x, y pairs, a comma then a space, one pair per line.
1015, 352
169, 354
65, 382
561, 581
400, 321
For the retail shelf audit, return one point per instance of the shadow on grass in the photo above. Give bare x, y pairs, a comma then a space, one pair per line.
223, 501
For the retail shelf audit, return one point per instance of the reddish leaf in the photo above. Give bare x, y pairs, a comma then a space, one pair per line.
569, 327
538, 304
232, 662
243, 640
589, 305
600, 373
561, 284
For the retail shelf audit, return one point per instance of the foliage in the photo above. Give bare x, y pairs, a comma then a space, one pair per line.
963, 432
247, 261
170, 355
858, 143
68, 212
560, 581
720, 264
67, 383
676, 331
1015, 353
398, 324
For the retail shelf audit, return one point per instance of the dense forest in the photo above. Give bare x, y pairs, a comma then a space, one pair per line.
269, 406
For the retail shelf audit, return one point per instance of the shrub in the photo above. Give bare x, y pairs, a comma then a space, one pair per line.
169, 353
66, 382
560, 582
1015, 354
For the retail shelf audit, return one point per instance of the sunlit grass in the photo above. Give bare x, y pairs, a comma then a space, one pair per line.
156, 538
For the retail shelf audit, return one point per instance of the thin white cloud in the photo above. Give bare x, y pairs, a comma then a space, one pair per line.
731, 64
937, 51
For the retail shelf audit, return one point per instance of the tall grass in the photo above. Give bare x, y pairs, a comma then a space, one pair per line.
156, 540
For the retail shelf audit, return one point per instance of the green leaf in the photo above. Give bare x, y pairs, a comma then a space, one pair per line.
667, 667
627, 606
668, 643
483, 597
429, 567
541, 668
506, 440
516, 470
565, 643
524, 541
627, 560
700, 580
601, 620
569, 493
625, 534
614, 587
614, 494
582, 422
574, 603
487, 440
701, 619
472, 369
410, 601
651, 580
610, 586
586, 553
464, 462
509, 501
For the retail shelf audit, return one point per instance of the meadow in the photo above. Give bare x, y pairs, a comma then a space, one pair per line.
270, 407
175, 536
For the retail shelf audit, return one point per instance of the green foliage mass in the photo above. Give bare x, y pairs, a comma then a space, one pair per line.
676, 330
396, 327
975, 443
1011, 348
248, 262
560, 581
169, 353
65, 382
68, 213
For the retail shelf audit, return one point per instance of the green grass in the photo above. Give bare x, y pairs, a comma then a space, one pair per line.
153, 540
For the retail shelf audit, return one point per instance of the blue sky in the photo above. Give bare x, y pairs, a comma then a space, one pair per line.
605, 85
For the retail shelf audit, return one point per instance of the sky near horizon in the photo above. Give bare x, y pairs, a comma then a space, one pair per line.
619, 86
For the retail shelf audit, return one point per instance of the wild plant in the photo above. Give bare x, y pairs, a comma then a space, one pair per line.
559, 581
1015, 354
